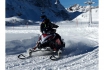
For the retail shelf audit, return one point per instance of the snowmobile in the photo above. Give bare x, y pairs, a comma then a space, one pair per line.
47, 42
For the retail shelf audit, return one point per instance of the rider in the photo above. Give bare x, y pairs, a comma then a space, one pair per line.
47, 27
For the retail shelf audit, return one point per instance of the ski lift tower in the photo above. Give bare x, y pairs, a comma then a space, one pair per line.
90, 11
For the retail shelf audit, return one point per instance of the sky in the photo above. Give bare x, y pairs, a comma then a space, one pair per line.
68, 3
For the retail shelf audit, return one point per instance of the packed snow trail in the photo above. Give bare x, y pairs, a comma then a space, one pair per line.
81, 52
87, 61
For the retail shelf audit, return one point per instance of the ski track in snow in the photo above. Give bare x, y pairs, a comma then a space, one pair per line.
81, 52
86, 61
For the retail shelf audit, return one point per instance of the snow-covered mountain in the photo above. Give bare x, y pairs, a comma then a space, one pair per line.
23, 12
32, 9
77, 7
84, 17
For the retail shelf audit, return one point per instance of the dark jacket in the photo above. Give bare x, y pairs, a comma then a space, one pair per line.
47, 26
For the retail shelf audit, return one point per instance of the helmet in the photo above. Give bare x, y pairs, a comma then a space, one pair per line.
43, 16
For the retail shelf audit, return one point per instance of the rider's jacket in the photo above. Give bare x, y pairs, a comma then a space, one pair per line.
47, 26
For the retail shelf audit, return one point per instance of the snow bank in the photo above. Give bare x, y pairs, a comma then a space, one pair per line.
84, 17
17, 21
20, 46
72, 47
78, 40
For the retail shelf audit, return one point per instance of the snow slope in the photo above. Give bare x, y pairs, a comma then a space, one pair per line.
81, 50
84, 17
77, 7
32, 9
87, 61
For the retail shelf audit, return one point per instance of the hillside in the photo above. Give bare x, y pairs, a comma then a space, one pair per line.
77, 7
32, 9
84, 17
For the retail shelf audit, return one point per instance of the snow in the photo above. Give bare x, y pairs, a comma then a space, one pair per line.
85, 16
81, 50
86, 61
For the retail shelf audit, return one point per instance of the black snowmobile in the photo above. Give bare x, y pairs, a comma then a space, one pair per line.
48, 42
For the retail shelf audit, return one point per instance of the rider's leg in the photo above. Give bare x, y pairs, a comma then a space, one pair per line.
59, 37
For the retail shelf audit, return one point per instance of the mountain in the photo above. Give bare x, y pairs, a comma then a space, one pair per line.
84, 17
33, 9
28, 12
77, 7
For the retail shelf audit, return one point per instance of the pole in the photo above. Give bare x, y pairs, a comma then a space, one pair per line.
90, 16
90, 11
27, 24
77, 21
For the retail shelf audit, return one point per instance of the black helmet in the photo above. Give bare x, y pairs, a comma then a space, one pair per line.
43, 16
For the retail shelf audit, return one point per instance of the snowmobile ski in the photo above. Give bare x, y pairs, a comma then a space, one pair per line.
56, 55
21, 56
54, 58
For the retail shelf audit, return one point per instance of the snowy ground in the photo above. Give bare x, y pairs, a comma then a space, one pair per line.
81, 52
